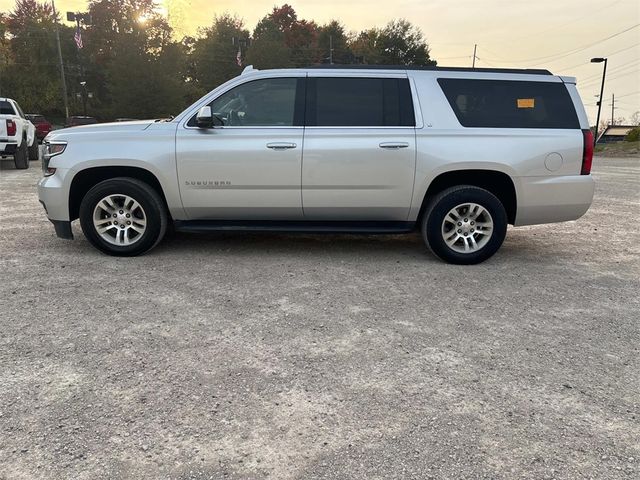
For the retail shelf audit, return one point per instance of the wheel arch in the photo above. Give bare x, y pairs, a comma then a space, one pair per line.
497, 182
85, 179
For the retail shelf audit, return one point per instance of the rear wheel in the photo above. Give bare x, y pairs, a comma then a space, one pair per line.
21, 157
123, 217
464, 225
34, 150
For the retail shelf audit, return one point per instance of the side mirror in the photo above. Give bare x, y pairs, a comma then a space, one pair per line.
204, 119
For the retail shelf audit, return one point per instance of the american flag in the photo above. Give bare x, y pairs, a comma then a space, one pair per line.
239, 57
78, 37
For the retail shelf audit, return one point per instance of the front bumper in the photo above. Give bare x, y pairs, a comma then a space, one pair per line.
63, 229
553, 199
53, 193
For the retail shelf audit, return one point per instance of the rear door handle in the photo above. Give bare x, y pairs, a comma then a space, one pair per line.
281, 145
394, 145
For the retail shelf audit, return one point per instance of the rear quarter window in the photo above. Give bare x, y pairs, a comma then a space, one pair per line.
510, 103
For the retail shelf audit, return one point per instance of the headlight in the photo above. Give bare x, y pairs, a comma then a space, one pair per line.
51, 149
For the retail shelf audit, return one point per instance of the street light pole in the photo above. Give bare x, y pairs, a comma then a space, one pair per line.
604, 73
62, 79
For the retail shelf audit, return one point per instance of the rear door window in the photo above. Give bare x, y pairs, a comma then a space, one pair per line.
510, 103
359, 102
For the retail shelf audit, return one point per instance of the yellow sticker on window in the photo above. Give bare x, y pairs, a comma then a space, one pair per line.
526, 103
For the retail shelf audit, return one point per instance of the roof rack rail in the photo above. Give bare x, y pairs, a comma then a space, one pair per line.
529, 71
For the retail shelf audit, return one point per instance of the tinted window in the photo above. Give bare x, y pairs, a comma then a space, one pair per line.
36, 119
261, 103
359, 102
510, 104
6, 108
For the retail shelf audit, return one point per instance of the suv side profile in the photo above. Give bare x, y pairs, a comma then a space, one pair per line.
455, 153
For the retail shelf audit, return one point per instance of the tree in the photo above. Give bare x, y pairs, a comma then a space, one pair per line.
333, 43
280, 40
130, 61
398, 43
213, 58
268, 48
30, 72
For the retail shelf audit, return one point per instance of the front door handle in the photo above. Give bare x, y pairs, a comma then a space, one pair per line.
394, 145
281, 145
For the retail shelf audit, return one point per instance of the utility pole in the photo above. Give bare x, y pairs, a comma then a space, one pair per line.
613, 106
62, 79
330, 49
475, 48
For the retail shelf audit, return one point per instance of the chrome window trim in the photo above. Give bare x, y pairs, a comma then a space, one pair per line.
362, 127
240, 80
184, 117
245, 127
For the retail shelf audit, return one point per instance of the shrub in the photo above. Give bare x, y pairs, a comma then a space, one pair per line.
633, 135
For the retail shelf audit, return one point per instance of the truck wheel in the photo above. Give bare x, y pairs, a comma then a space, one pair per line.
21, 157
123, 217
34, 150
464, 225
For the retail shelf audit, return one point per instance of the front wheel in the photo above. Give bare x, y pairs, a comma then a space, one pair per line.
123, 217
464, 225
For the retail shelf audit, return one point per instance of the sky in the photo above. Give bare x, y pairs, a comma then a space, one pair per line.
559, 35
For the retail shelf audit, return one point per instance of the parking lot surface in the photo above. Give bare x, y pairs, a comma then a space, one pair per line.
301, 356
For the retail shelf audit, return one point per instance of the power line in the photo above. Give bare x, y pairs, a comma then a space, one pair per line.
596, 81
629, 94
617, 69
558, 56
609, 55
573, 20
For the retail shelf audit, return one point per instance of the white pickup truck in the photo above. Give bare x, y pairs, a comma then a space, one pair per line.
17, 134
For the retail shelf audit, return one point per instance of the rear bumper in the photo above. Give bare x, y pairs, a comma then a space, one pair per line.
553, 199
8, 148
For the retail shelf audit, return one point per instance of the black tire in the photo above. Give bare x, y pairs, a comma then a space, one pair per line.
21, 157
151, 203
34, 150
443, 203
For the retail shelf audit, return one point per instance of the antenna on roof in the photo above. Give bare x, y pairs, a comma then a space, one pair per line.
248, 69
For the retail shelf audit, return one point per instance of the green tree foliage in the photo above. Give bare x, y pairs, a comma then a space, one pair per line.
28, 68
282, 40
130, 61
334, 36
213, 58
398, 43
633, 135
134, 66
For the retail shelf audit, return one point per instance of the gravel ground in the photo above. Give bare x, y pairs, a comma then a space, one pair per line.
283, 356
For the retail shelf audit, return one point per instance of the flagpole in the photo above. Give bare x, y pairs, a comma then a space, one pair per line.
62, 78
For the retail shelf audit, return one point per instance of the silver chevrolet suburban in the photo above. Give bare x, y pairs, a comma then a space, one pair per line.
455, 153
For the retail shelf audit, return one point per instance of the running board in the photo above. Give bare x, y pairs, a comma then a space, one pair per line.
293, 226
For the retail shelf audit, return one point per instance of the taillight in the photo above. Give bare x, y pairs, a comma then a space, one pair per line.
587, 152
11, 128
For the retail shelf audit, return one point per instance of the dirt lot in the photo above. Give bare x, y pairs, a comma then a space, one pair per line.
282, 356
